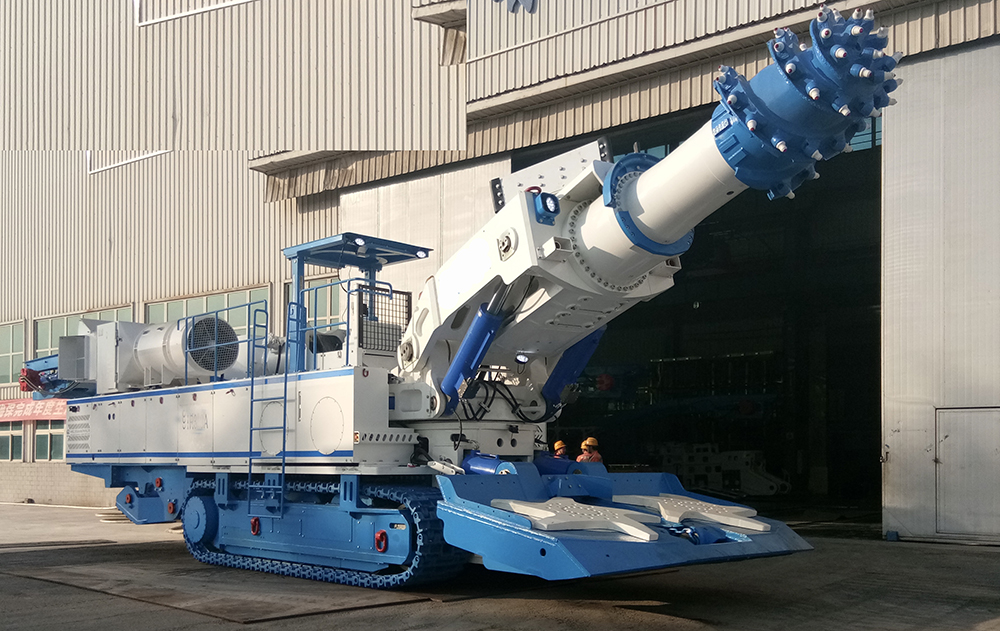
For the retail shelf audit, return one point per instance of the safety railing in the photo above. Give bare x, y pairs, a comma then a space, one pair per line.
308, 300
214, 344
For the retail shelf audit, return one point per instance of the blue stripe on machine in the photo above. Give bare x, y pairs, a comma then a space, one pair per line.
218, 385
207, 454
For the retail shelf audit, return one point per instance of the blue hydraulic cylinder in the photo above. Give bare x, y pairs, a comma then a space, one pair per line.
807, 105
569, 368
470, 355
486, 464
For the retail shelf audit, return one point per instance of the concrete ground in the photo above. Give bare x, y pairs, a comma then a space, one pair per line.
65, 568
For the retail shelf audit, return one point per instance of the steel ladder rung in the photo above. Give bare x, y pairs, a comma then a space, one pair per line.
258, 429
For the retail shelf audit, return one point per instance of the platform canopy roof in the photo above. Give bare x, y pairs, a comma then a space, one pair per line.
355, 250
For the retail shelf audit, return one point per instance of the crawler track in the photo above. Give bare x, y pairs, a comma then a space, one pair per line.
434, 559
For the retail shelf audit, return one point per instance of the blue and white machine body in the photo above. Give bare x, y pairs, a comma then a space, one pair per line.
391, 443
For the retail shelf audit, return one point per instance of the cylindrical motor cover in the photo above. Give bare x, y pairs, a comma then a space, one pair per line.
266, 361
206, 347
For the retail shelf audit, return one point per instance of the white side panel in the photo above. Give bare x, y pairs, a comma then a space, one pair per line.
162, 426
195, 438
377, 443
107, 357
104, 432
133, 416
325, 426
968, 453
232, 419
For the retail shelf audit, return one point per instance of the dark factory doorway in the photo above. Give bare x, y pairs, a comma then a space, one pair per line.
758, 373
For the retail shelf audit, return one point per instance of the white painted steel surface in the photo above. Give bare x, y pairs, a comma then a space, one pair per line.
258, 75
968, 454
666, 203
941, 250
685, 187
204, 426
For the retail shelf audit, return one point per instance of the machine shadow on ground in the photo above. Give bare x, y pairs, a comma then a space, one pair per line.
845, 583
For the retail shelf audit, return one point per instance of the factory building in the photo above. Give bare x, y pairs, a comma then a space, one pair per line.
840, 345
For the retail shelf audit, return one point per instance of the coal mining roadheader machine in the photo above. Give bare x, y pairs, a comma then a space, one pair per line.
392, 443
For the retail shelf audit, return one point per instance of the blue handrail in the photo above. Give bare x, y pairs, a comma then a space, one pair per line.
354, 285
253, 311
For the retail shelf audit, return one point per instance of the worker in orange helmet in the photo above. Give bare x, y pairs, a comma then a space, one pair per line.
590, 453
560, 449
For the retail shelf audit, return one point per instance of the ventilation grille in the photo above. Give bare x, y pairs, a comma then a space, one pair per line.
78, 433
213, 344
382, 318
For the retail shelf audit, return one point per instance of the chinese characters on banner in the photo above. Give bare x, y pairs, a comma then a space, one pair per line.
31, 410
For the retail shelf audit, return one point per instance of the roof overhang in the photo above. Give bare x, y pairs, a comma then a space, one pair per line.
285, 160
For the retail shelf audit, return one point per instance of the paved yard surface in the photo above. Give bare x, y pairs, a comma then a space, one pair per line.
63, 568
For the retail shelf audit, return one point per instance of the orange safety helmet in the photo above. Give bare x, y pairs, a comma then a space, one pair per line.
590, 442
559, 445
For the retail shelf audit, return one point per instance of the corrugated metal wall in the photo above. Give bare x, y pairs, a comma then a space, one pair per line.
641, 93
625, 102
941, 289
177, 224
928, 26
508, 52
262, 75
186, 223
511, 51
427, 3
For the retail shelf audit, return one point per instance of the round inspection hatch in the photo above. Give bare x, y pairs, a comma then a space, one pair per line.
326, 426
269, 440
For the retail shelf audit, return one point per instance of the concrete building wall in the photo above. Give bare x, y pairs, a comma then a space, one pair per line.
257, 75
176, 224
941, 300
52, 483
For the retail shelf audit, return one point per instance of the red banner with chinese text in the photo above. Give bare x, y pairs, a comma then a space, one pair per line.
31, 410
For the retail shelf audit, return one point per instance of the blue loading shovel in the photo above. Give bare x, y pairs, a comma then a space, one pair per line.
583, 521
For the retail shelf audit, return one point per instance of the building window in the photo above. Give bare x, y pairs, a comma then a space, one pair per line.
322, 303
11, 351
49, 440
174, 310
49, 330
871, 137
11, 441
